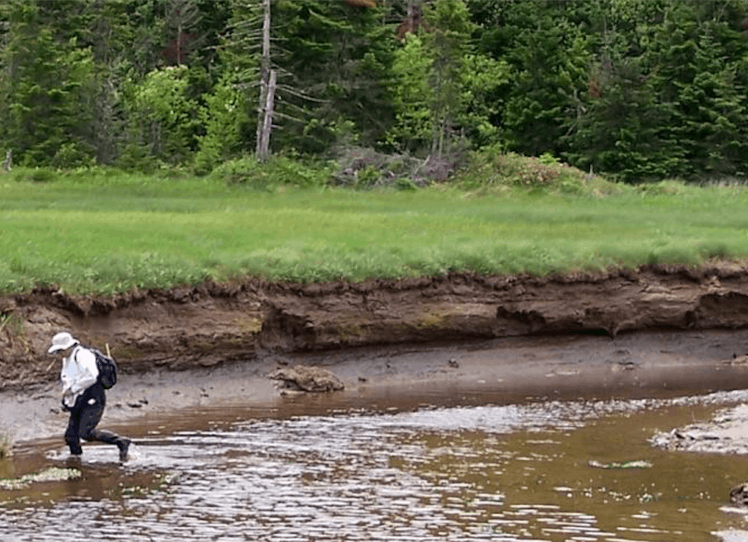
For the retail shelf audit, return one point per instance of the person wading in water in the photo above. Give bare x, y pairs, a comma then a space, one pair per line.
83, 395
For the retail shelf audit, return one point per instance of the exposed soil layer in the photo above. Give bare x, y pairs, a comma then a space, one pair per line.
204, 326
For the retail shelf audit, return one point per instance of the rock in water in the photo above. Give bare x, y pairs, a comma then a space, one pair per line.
313, 379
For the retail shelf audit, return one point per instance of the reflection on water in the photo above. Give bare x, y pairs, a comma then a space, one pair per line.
551, 471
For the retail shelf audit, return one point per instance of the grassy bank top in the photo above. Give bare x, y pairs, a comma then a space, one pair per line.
114, 233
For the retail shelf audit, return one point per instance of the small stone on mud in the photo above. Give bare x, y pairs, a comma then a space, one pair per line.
454, 363
311, 379
737, 360
739, 495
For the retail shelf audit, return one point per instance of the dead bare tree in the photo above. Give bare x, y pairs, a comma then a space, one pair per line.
267, 90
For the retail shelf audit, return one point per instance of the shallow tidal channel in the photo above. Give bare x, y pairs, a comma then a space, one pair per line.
456, 464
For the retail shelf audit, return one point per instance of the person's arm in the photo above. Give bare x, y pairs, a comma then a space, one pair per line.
65, 374
69, 368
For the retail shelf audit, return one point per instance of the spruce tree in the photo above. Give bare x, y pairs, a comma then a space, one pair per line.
45, 89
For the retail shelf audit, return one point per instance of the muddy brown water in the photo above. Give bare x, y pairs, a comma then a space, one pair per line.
460, 463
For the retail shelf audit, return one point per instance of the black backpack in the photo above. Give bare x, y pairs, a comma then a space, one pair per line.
107, 368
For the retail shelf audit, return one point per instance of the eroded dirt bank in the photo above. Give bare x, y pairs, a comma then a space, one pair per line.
192, 328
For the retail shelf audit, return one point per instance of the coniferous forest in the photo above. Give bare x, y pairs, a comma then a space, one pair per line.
636, 89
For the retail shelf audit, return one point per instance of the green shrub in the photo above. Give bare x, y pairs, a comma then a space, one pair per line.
278, 171
672, 187
494, 171
72, 155
136, 157
37, 174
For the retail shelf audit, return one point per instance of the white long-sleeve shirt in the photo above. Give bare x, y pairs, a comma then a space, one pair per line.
79, 372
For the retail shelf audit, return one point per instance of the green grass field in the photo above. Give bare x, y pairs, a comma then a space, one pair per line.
109, 235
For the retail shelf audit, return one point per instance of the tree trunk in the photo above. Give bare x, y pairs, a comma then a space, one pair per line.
263, 148
265, 110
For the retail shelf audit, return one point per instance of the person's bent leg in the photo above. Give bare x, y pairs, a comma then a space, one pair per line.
72, 434
91, 414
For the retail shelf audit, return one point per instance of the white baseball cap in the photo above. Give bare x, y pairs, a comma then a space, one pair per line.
62, 341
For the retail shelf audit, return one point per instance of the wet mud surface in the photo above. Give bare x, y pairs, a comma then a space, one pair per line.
634, 365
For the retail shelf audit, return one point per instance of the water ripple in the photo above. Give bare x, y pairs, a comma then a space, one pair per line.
432, 474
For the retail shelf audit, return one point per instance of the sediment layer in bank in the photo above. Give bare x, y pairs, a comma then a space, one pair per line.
242, 322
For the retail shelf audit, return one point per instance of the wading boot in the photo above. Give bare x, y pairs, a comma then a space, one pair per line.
124, 447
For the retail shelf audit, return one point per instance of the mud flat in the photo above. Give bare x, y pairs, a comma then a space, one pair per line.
653, 330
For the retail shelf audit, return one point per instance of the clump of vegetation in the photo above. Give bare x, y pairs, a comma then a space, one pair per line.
366, 168
35, 174
278, 171
492, 171
52, 474
489, 171
358, 168
668, 187
12, 322
6, 447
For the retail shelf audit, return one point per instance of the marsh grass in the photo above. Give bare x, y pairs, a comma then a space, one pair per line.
114, 233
